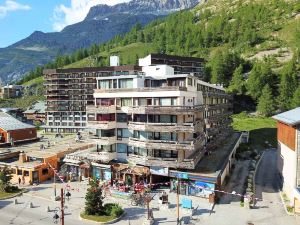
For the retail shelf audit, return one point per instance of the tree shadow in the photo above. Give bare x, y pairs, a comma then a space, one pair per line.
4, 203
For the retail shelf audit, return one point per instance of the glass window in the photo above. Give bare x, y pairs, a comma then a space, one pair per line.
121, 148
45, 171
126, 83
104, 84
126, 102
165, 101
121, 117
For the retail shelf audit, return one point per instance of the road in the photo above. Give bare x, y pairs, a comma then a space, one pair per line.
21, 214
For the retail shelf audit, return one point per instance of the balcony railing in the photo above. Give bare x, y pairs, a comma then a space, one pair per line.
162, 144
146, 89
164, 127
161, 162
103, 156
177, 110
218, 106
101, 109
217, 94
104, 125
103, 140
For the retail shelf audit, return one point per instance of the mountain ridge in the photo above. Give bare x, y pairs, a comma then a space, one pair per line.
39, 47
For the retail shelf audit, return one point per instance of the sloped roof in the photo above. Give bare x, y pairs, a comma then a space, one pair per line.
38, 107
7, 122
291, 117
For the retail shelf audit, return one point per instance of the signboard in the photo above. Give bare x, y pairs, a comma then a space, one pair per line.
205, 186
182, 175
159, 170
107, 175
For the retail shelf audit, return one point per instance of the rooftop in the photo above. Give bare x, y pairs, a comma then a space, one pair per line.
7, 122
38, 107
291, 117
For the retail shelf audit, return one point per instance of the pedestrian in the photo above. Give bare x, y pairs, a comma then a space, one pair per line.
23, 180
19, 180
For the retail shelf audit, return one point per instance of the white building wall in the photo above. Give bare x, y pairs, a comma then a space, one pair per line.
158, 71
145, 61
287, 163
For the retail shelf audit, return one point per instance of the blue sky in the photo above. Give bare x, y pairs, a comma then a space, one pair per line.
19, 18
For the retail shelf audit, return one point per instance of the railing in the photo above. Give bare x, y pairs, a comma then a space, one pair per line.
161, 162
101, 109
102, 156
218, 106
162, 144
146, 89
166, 109
162, 127
102, 124
103, 140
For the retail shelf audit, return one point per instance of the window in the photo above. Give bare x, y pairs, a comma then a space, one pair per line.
165, 101
121, 117
26, 173
126, 83
123, 133
45, 171
104, 84
190, 81
126, 102
121, 148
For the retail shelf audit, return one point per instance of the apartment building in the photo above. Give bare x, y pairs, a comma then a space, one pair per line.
157, 120
69, 91
181, 65
11, 91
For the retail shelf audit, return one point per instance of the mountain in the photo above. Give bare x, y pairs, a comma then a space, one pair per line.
102, 23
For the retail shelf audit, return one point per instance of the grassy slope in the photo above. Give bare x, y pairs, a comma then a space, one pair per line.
261, 130
36, 81
128, 52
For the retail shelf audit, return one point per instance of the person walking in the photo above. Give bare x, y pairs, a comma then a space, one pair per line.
23, 180
19, 180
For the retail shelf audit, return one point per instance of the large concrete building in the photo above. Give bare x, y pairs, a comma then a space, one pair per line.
69, 91
288, 135
157, 120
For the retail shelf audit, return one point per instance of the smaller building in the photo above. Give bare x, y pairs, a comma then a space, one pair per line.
288, 136
36, 113
11, 91
14, 131
31, 167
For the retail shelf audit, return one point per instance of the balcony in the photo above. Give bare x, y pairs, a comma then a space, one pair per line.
162, 144
104, 125
217, 94
101, 109
103, 156
164, 127
218, 106
174, 110
161, 162
146, 89
103, 140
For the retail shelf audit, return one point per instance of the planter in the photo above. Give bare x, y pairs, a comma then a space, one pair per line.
108, 222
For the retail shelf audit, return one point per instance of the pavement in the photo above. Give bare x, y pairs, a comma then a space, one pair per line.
269, 211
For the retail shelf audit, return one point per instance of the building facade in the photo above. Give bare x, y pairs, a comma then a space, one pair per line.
288, 136
69, 91
11, 91
157, 119
181, 65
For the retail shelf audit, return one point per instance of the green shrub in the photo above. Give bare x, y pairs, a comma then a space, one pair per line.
116, 211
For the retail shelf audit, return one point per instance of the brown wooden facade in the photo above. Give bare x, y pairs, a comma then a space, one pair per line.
287, 135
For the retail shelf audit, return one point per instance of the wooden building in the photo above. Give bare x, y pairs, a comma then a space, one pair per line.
288, 136
13, 130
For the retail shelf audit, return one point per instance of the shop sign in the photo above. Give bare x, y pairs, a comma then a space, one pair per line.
205, 186
107, 175
159, 170
182, 175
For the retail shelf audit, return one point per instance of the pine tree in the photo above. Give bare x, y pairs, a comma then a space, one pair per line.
287, 86
266, 104
296, 98
237, 82
94, 199
5, 178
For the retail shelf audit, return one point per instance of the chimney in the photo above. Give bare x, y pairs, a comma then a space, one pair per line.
22, 157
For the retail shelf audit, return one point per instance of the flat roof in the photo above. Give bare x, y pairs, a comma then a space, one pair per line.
94, 69
177, 58
291, 117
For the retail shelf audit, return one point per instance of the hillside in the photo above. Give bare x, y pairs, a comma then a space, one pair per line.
250, 46
102, 23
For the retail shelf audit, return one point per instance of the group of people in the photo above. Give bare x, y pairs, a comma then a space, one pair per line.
21, 180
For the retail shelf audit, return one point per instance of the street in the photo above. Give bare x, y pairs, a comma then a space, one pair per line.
269, 211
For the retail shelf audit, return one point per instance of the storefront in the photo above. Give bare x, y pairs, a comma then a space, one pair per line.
101, 172
193, 184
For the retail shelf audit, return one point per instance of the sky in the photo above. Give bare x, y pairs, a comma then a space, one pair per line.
20, 18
